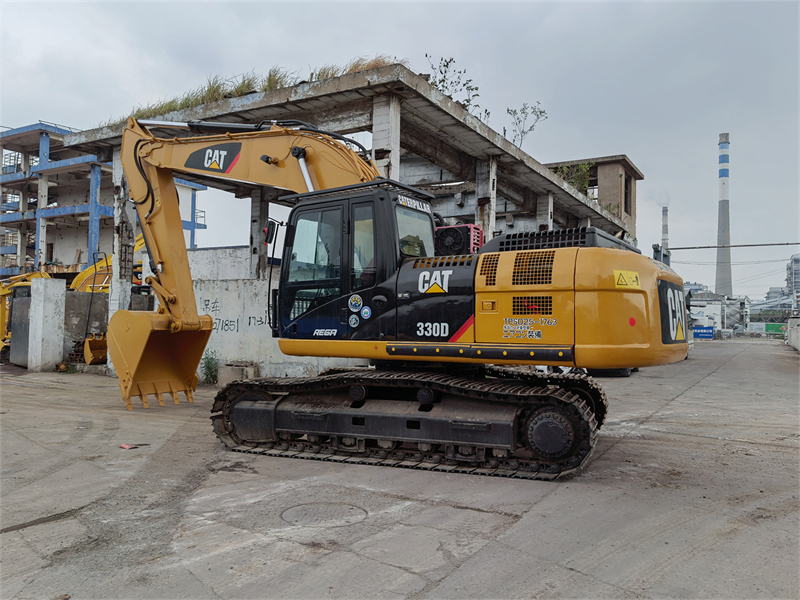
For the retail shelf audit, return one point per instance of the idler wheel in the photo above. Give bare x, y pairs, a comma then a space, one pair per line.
357, 393
426, 396
550, 433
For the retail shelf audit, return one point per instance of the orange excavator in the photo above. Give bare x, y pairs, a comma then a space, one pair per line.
451, 340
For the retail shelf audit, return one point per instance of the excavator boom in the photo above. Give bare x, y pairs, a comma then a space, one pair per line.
158, 352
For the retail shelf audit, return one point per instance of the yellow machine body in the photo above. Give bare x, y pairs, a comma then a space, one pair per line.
596, 308
602, 303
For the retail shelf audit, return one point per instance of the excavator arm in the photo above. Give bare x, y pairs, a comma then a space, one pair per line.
158, 353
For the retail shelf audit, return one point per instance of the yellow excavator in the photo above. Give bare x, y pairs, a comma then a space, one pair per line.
452, 340
97, 277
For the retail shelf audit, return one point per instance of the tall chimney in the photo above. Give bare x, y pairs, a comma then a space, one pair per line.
724, 285
665, 228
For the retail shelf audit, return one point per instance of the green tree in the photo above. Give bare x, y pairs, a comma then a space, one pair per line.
523, 121
452, 82
576, 175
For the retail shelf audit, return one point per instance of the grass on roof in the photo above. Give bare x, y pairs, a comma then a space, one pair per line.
217, 88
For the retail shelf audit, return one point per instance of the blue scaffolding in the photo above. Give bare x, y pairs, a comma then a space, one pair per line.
19, 171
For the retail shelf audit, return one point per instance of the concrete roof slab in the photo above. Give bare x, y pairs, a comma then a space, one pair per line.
457, 133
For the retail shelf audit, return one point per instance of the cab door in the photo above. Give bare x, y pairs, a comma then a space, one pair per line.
371, 305
312, 290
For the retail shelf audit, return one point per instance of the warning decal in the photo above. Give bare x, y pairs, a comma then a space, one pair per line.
627, 279
672, 307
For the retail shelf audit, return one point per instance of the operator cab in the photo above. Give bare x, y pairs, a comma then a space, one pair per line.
342, 256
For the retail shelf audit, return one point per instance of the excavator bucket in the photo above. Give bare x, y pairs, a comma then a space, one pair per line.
151, 359
95, 349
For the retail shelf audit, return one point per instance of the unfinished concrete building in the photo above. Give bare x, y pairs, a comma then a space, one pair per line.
420, 137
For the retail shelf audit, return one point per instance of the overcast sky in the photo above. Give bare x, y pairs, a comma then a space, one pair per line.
656, 81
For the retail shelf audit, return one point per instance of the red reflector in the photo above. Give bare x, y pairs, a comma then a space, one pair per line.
632, 321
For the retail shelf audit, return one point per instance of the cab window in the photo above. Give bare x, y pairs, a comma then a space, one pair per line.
415, 231
317, 249
363, 263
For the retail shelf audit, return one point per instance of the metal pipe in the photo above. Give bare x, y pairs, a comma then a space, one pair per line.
170, 124
306, 176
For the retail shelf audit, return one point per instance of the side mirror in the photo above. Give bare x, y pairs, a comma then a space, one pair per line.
269, 232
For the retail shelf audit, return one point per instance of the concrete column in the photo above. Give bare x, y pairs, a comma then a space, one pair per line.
259, 217
22, 249
486, 192
124, 234
193, 221
41, 224
44, 148
94, 214
42, 195
386, 135
544, 211
46, 329
41, 242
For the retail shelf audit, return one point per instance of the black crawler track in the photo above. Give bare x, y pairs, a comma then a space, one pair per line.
584, 386
572, 396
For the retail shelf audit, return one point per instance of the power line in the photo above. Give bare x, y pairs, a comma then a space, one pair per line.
746, 262
754, 277
734, 246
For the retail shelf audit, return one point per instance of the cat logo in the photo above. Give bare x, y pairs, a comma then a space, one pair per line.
673, 312
434, 282
219, 158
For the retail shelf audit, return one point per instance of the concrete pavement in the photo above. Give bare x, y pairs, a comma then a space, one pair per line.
691, 493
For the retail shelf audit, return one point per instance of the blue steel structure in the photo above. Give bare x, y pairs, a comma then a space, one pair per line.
15, 174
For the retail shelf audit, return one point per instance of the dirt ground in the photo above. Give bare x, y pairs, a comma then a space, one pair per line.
691, 493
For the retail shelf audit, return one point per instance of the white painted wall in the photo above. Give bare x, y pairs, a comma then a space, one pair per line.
242, 333
220, 263
68, 238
